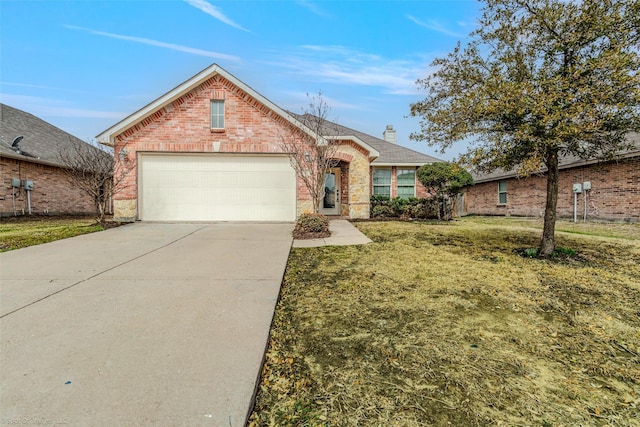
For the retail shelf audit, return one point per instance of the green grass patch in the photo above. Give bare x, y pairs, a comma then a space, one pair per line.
23, 232
617, 230
438, 325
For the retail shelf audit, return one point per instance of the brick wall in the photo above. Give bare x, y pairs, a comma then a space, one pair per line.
52, 193
421, 190
614, 194
185, 126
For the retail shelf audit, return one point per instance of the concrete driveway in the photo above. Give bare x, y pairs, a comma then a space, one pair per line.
145, 324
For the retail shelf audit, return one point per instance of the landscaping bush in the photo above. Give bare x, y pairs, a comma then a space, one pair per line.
411, 208
382, 211
310, 226
313, 223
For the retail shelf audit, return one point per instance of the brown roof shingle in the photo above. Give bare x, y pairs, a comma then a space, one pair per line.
390, 153
42, 141
566, 162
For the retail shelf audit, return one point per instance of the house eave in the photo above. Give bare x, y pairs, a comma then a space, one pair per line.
389, 164
107, 137
31, 160
373, 153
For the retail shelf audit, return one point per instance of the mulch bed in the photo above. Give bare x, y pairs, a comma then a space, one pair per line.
307, 235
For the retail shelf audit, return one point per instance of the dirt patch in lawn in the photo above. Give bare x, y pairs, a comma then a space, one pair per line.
442, 325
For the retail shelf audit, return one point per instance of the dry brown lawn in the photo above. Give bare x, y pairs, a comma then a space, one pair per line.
445, 325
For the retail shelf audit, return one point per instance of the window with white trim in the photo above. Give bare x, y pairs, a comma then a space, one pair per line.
406, 179
217, 114
502, 192
382, 182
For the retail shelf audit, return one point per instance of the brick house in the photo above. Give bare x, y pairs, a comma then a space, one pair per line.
612, 190
33, 161
210, 150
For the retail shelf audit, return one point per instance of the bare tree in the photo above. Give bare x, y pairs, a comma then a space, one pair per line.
91, 169
312, 150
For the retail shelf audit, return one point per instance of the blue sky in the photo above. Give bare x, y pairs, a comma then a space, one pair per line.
84, 65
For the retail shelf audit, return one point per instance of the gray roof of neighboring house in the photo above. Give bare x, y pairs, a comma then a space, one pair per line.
565, 162
42, 141
390, 153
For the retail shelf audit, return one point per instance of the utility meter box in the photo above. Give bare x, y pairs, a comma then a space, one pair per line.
28, 184
577, 188
15, 182
586, 185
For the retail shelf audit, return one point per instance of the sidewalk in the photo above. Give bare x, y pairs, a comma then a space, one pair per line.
343, 233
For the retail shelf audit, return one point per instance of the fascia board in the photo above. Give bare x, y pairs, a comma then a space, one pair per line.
373, 153
31, 160
387, 164
107, 137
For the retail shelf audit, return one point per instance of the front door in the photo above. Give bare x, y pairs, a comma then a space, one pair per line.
330, 203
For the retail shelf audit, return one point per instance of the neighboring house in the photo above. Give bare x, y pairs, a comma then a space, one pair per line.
210, 150
31, 170
612, 190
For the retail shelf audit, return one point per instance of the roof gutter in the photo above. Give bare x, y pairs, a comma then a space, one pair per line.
31, 160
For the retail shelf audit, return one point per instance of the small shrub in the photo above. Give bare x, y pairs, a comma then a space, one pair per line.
565, 251
398, 205
375, 200
382, 211
557, 253
411, 208
312, 223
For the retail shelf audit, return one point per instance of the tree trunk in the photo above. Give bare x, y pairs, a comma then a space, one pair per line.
316, 205
101, 214
548, 242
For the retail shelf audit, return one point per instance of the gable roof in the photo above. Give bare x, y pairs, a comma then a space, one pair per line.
565, 162
389, 154
42, 142
107, 137
384, 153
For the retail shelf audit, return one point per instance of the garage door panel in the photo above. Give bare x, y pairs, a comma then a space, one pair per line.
216, 188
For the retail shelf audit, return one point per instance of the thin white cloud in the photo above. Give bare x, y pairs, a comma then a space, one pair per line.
434, 25
51, 88
302, 98
157, 43
339, 64
312, 7
50, 107
348, 54
28, 85
211, 10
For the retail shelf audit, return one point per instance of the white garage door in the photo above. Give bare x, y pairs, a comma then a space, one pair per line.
216, 187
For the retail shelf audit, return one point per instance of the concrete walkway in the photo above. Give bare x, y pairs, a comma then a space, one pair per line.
343, 233
145, 324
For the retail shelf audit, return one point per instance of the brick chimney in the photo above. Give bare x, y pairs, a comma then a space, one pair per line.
389, 134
